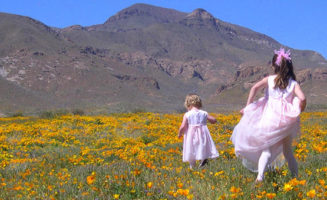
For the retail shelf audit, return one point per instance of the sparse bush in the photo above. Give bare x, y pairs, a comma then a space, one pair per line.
315, 107
47, 114
78, 112
138, 110
17, 114
53, 114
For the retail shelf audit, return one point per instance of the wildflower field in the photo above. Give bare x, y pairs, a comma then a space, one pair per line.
138, 156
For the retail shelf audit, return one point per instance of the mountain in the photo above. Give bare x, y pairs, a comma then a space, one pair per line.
144, 57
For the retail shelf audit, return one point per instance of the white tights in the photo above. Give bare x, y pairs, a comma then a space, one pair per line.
288, 154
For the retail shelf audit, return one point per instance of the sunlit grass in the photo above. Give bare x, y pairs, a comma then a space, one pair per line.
138, 156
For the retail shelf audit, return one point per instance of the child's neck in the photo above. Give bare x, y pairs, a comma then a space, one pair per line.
193, 108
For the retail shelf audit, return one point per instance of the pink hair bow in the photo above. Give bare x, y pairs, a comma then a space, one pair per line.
282, 54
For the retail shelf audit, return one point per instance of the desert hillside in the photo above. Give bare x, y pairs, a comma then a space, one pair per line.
144, 57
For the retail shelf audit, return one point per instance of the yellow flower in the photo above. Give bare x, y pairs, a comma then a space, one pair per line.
149, 184
287, 187
186, 192
270, 195
183, 192
219, 173
50, 187
116, 196
302, 182
284, 172
321, 182
222, 197
234, 189
90, 179
137, 172
311, 193
175, 194
300, 195
308, 172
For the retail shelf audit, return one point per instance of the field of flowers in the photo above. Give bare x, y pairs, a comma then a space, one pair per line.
138, 156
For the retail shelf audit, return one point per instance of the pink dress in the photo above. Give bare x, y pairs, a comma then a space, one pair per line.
265, 123
198, 144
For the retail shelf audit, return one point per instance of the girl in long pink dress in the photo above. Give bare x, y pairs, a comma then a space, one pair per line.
197, 144
269, 124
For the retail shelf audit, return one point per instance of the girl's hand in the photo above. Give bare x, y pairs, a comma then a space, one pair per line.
211, 119
298, 92
183, 127
242, 111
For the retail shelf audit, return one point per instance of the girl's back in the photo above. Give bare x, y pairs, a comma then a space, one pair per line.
196, 117
276, 93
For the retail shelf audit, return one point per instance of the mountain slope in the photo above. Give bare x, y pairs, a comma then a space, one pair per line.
144, 57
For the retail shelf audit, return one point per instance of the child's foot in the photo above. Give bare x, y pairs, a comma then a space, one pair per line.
259, 179
203, 163
192, 164
257, 183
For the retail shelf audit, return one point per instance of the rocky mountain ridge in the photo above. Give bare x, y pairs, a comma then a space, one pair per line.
144, 57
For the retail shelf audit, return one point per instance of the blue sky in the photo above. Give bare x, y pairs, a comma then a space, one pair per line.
300, 24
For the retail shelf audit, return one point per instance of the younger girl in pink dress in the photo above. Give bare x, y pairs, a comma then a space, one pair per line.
197, 144
268, 125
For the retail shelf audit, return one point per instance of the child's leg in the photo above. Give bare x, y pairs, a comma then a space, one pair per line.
192, 164
262, 164
288, 154
203, 162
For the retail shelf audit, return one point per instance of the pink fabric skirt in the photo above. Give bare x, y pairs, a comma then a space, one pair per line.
264, 125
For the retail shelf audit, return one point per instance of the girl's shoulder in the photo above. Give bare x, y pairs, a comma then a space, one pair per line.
292, 84
204, 112
188, 113
271, 80
272, 77
192, 112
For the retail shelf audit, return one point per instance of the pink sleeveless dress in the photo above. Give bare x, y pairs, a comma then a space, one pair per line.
198, 143
265, 123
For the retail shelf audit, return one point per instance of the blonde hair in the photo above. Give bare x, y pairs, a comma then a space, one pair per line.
192, 100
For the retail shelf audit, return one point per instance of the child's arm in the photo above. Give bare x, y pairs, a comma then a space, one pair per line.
211, 119
257, 86
298, 92
183, 127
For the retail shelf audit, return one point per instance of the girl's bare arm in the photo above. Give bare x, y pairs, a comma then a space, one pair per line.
183, 127
298, 92
257, 86
211, 119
